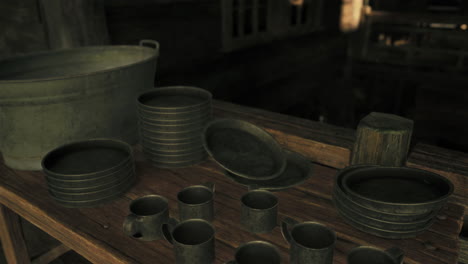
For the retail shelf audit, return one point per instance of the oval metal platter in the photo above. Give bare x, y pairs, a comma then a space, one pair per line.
244, 149
297, 171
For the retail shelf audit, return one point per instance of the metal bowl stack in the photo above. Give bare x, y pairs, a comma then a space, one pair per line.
390, 202
89, 173
171, 122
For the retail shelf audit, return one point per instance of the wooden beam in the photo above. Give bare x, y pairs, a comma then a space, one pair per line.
51, 255
12, 238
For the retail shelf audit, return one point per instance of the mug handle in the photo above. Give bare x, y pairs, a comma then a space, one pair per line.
285, 226
396, 253
167, 229
209, 185
130, 226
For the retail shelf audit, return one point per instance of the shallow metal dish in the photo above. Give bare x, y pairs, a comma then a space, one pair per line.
174, 147
402, 218
244, 149
115, 188
384, 225
380, 232
81, 186
177, 164
396, 189
174, 128
297, 171
91, 203
164, 117
175, 122
88, 159
172, 99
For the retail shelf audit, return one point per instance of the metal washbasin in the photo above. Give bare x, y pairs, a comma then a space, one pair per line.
51, 98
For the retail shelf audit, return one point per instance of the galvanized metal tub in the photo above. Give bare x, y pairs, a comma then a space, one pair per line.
51, 98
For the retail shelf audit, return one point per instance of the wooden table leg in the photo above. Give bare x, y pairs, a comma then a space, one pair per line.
12, 238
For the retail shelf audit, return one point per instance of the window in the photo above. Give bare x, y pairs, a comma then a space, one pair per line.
251, 22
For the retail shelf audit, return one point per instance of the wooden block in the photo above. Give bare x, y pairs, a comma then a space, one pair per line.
382, 139
11, 235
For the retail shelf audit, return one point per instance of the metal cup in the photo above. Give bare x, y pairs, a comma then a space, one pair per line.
259, 210
311, 242
193, 240
256, 252
196, 202
147, 214
371, 255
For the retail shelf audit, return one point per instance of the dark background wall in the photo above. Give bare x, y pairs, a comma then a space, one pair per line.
312, 75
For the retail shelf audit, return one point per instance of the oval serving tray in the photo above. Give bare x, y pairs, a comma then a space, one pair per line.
297, 171
244, 149
396, 189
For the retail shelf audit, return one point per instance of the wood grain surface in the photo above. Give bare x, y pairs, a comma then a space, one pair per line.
96, 233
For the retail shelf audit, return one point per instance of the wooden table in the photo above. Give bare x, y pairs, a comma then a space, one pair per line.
96, 233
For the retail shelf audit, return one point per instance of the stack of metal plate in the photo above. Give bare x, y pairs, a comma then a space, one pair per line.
390, 202
171, 122
89, 173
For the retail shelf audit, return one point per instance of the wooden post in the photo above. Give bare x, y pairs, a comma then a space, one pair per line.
74, 23
11, 235
382, 139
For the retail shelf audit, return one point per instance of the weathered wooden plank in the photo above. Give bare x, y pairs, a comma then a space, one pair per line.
11, 235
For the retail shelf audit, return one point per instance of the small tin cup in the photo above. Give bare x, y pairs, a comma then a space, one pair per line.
311, 242
193, 240
256, 252
196, 202
147, 214
259, 210
371, 255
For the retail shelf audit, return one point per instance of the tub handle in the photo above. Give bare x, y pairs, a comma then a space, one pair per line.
150, 43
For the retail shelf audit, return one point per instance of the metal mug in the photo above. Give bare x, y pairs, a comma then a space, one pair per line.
196, 202
147, 214
193, 240
259, 210
256, 252
311, 242
371, 255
